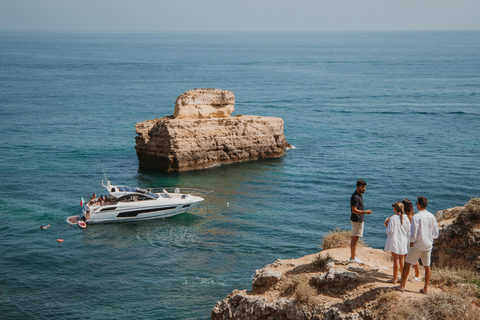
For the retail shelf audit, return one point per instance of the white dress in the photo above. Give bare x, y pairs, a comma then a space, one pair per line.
397, 240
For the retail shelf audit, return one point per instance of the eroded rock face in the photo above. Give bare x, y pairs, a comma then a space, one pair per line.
300, 289
458, 244
239, 305
204, 103
177, 145
336, 276
265, 277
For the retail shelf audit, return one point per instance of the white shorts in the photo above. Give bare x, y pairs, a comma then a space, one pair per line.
414, 254
357, 229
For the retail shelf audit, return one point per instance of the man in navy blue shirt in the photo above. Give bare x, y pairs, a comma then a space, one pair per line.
357, 218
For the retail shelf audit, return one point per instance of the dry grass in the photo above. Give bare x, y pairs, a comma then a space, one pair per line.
461, 282
460, 299
339, 239
445, 305
451, 276
387, 296
445, 277
320, 261
303, 291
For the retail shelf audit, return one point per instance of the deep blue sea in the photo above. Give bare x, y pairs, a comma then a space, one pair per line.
400, 110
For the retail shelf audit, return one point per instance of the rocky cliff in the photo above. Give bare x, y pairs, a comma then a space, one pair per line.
204, 134
458, 245
325, 286
307, 288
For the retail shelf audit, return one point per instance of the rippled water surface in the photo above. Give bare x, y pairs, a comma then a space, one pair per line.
399, 110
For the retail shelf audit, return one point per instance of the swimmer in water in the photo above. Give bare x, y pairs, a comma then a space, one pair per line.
44, 227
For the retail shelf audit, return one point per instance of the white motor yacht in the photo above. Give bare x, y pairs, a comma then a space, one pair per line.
134, 204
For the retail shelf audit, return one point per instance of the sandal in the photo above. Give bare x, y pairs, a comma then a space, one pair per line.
421, 291
398, 289
391, 281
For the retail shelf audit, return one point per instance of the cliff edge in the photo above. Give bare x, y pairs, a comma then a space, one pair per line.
326, 286
202, 134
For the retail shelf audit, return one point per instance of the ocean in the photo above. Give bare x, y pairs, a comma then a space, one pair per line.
400, 110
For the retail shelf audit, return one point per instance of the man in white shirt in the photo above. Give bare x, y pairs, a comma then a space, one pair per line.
423, 229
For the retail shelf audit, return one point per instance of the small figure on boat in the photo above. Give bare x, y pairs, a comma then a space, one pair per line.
104, 200
86, 209
93, 199
99, 201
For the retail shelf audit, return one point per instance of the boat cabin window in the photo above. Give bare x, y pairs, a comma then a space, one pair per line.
133, 197
144, 197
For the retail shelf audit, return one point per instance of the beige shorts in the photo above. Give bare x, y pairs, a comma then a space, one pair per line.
414, 254
357, 229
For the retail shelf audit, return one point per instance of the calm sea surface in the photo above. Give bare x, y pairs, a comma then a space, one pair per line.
399, 110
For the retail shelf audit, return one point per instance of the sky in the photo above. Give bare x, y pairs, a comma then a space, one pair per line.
241, 15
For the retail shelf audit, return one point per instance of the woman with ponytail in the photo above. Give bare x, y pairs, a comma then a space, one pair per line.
397, 240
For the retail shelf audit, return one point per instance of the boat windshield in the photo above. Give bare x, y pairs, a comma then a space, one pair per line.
127, 189
137, 190
153, 195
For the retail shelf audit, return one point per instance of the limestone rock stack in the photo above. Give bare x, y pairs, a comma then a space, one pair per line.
202, 133
204, 103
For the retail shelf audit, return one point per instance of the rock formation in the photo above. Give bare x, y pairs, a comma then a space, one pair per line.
458, 244
306, 289
204, 103
202, 134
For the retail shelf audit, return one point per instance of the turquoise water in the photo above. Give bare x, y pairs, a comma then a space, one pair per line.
399, 110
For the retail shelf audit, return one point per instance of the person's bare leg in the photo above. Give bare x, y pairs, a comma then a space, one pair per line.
406, 271
353, 247
401, 263
396, 265
417, 269
428, 273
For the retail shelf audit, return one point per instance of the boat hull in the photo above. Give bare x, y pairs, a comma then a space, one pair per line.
133, 212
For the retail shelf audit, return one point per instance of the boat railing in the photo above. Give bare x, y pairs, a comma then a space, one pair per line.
172, 191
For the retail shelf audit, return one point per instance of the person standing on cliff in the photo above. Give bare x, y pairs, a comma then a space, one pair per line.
357, 218
410, 213
423, 229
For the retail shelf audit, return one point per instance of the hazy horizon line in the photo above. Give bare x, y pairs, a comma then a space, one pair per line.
233, 31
